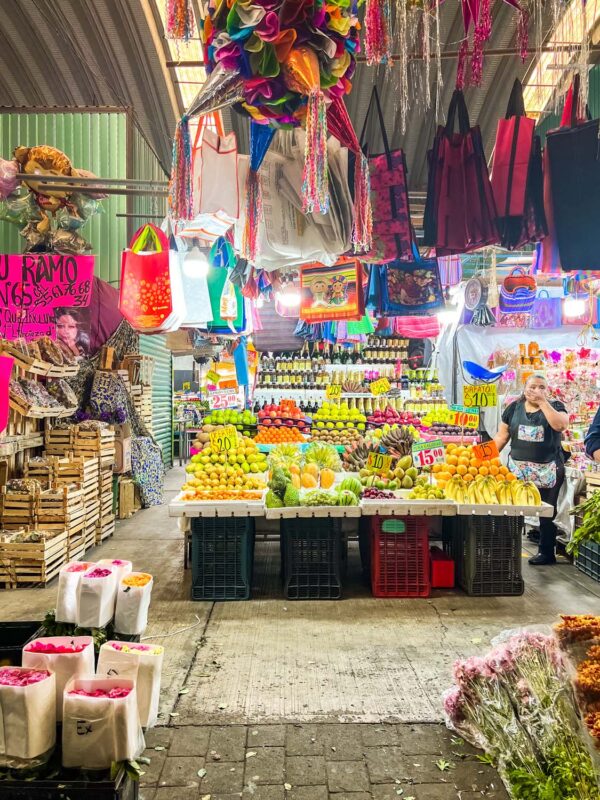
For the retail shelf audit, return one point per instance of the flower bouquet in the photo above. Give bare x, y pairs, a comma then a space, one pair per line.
142, 663
96, 597
517, 704
133, 601
27, 716
68, 590
118, 565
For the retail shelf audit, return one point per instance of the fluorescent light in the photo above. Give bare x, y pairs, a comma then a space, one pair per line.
195, 264
288, 299
574, 307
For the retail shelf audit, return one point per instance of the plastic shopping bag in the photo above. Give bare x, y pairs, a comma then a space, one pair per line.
68, 590
143, 664
96, 597
65, 656
100, 723
27, 716
133, 601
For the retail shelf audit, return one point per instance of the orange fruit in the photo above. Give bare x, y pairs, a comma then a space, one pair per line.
472, 470
463, 460
452, 469
483, 471
440, 483
475, 462
503, 470
461, 469
452, 460
495, 462
436, 468
468, 477
494, 470
511, 477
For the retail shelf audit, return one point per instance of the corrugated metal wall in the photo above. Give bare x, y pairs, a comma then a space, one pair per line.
162, 392
552, 121
96, 141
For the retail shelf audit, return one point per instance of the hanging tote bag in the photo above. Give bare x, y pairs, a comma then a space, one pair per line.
146, 297
411, 288
332, 293
546, 311
517, 293
574, 159
392, 236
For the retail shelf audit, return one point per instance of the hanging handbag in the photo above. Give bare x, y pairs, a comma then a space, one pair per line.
409, 289
546, 311
574, 159
392, 230
517, 293
332, 293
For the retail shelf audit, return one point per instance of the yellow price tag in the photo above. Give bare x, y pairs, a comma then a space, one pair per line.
186, 386
333, 390
212, 376
223, 439
381, 386
378, 462
483, 395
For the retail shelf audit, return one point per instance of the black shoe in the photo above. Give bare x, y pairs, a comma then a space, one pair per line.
541, 560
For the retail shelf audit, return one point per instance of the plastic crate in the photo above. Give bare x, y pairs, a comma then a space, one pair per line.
313, 558
222, 557
400, 557
442, 569
13, 637
71, 784
488, 551
588, 560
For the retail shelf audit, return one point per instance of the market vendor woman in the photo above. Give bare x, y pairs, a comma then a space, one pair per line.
533, 425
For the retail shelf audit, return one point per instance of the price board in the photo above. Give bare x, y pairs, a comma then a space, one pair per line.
186, 386
333, 390
482, 395
377, 462
212, 376
380, 386
465, 417
223, 439
486, 451
426, 454
223, 398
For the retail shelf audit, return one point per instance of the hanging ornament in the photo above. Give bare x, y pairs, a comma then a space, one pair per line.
261, 137
180, 20
180, 185
403, 95
378, 39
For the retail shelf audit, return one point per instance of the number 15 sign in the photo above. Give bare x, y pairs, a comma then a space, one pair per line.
426, 454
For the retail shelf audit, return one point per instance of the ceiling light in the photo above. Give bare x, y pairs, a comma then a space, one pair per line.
195, 264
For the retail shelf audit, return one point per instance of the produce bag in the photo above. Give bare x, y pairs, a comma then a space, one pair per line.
143, 664
68, 590
332, 293
66, 656
133, 601
120, 567
96, 598
100, 723
27, 716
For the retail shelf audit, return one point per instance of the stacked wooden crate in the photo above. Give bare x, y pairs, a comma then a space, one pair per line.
105, 526
26, 562
59, 441
63, 508
18, 508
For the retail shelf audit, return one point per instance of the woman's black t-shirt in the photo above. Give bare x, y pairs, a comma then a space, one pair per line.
531, 436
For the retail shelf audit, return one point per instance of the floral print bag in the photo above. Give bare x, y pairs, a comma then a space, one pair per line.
409, 289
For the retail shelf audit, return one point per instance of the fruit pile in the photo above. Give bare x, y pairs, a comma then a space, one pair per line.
486, 489
284, 491
462, 462
402, 475
440, 429
345, 437
333, 416
210, 474
391, 416
397, 440
355, 458
425, 491
275, 435
284, 414
241, 420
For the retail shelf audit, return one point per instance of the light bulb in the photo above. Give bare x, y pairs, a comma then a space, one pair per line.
195, 264
574, 307
289, 299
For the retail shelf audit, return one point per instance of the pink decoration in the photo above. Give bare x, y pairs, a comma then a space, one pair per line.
113, 694
54, 649
79, 566
378, 40
19, 676
98, 573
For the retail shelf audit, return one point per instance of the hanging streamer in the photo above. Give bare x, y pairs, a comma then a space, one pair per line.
315, 183
180, 20
180, 185
378, 40
261, 137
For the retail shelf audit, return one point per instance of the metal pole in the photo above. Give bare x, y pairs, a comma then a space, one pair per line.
72, 179
104, 190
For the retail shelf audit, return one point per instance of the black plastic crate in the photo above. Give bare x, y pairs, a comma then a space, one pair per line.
68, 785
222, 558
588, 560
13, 637
313, 558
487, 551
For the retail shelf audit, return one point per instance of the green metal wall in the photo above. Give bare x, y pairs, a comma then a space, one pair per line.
162, 392
95, 141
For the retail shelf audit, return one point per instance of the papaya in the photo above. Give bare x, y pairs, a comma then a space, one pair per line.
327, 478
308, 481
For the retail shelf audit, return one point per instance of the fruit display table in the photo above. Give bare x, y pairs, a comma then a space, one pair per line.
403, 507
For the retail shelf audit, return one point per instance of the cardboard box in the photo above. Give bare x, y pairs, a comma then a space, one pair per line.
122, 455
122, 431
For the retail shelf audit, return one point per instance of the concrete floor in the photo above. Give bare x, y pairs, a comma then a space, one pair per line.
358, 660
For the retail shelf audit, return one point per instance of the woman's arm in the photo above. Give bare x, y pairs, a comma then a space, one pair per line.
558, 420
502, 438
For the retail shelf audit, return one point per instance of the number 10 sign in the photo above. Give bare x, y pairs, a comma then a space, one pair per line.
426, 454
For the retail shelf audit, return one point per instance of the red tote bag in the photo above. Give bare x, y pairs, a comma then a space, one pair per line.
145, 298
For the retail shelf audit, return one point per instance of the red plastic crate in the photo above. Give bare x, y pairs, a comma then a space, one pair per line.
400, 564
442, 569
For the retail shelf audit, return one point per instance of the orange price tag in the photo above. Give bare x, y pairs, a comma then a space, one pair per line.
486, 451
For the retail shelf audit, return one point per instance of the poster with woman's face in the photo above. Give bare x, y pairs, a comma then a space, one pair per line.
73, 331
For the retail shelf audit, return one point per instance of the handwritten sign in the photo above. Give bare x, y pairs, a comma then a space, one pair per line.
380, 386
333, 390
226, 398
483, 395
33, 286
486, 451
377, 462
223, 439
465, 417
426, 454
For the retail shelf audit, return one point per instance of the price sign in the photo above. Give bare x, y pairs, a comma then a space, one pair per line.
333, 390
465, 417
378, 462
225, 398
483, 395
212, 376
186, 386
426, 454
486, 451
224, 439
381, 386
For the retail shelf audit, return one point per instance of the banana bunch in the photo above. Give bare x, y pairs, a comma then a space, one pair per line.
398, 441
355, 459
504, 493
352, 387
456, 489
526, 494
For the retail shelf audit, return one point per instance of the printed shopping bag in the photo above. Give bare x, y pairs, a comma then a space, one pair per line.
546, 312
414, 288
331, 293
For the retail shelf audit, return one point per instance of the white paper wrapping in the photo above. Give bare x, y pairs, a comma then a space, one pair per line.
64, 665
27, 721
96, 600
99, 730
144, 668
131, 615
68, 589
120, 567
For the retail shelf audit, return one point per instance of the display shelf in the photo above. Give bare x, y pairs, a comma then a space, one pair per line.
235, 508
42, 369
485, 510
403, 507
290, 512
39, 412
16, 444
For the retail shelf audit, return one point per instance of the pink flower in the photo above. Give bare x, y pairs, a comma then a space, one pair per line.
99, 572
79, 566
453, 704
21, 676
53, 649
113, 694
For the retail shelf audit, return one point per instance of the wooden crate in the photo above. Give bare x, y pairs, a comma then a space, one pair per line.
35, 562
57, 471
62, 506
105, 527
592, 483
90, 535
129, 498
59, 441
100, 444
18, 509
76, 546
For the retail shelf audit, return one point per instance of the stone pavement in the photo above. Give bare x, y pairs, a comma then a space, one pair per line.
320, 761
